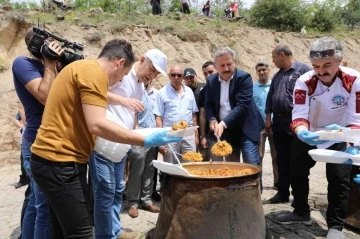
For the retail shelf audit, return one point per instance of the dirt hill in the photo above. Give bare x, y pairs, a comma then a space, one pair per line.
189, 41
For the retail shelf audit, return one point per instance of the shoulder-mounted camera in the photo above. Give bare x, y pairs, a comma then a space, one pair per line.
38, 46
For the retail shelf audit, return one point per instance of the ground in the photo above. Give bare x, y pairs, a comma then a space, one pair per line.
11, 201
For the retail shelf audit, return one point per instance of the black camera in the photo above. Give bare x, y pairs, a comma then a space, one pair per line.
38, 46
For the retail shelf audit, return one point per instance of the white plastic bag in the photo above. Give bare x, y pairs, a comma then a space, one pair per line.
109, 149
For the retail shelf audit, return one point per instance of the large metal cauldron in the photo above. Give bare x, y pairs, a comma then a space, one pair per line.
211, 208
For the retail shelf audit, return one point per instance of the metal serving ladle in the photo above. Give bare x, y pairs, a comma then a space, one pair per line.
174, 153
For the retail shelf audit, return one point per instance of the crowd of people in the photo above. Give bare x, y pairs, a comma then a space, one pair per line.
65, 111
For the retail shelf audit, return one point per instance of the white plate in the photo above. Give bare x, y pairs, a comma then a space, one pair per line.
148, 131
328, 156
183, 132
170, 168
350, 135
332, 156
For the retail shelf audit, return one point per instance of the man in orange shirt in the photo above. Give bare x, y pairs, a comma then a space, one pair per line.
75, 113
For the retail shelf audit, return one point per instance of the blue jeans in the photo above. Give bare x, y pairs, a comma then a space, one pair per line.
250, 151
36, 222
108, 184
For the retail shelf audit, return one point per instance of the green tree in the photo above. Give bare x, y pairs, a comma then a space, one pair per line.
324, 15
351, 14
283, 15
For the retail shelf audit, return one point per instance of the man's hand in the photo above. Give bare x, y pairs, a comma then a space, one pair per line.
197, 140
335, 127
353, 151
159, 138
54, 46
204, 142
213, 125
268, 124
134, 105
357, 178
309, 138
219, 130
162, 150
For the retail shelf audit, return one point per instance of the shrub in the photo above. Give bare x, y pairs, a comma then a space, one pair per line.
283, 15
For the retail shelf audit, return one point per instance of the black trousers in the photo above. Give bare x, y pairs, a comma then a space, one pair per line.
156, 9
66, 188
338, 177
283, 145
185, 8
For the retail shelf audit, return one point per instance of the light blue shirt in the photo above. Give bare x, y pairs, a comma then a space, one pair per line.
260, 94
147, 117
173, 107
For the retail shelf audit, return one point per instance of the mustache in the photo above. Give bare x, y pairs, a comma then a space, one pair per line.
225, 72
325, 74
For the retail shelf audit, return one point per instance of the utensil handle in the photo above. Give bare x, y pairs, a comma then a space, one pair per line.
175, 155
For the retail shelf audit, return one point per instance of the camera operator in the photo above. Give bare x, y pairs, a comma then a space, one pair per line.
33, 78
74, 114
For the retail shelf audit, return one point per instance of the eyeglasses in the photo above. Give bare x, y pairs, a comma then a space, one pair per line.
322, 54
176, 75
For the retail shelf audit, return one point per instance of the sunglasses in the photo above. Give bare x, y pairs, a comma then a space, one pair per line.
176, 75
322, 54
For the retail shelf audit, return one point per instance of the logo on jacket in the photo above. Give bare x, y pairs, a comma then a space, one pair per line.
300, 97
338, 100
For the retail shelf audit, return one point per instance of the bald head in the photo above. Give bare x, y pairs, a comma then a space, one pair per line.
282, 56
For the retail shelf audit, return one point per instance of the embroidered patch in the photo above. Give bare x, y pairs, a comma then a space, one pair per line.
300, 97
338, 100
357, 102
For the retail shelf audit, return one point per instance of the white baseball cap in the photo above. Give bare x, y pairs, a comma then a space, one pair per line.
158, 59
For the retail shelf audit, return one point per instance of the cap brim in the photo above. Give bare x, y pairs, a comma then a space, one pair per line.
189, 75
159, 69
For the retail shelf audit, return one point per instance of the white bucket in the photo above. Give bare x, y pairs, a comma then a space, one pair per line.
109, 149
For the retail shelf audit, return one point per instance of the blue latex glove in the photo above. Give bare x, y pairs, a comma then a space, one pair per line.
335, 127
351, 150
310, 138
159, 138
357, 178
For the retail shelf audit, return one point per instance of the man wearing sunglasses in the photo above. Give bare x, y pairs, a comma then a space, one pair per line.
176, 102
326, 96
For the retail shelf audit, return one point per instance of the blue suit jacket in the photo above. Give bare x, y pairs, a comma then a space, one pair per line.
244, 114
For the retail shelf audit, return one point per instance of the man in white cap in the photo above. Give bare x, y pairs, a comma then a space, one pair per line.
107, 175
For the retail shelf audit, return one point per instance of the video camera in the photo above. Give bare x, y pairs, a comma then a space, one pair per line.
38, 46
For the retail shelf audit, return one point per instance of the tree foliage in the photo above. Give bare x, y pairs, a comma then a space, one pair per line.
283, 15
324, 16
351, 14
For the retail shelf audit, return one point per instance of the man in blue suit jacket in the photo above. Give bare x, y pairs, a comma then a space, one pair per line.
231, 110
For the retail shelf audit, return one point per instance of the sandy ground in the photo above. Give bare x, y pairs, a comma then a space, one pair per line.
11, 203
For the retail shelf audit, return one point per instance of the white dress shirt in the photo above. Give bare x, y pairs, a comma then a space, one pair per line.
129, 87
225, 107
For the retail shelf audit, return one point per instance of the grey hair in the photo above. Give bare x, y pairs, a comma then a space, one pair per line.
327, 43
262, 63
224, 51
282, 48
